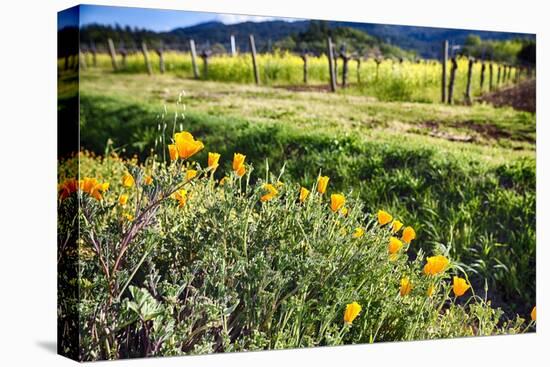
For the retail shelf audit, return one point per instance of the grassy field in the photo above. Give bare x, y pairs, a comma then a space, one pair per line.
464, 177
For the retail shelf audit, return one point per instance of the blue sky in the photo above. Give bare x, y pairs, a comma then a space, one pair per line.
156, 19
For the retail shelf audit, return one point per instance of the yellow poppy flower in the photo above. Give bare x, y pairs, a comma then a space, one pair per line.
190, 174
408, 235
186, 145
238, 161
396, 226
271, 192
322, 183
337, 201
123, 199
406, 287
213, 159
351, 312
384, 217
358, 232
180, 196
303, 194
127, 180
395, 245
148, 180
241, 171
435, 265
534, 314
460, 286
173, 151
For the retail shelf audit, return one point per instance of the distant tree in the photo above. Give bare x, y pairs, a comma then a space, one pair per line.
528, 54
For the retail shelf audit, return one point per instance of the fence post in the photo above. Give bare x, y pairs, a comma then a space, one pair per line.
469, 81
160, 52
123, 53
254, 63
378, 61
112, 53
491, 76
454, 66
498, 76
146, 58
194, 58
233, 46
331, 65
482, 77
358, 69
304, 59
444, 58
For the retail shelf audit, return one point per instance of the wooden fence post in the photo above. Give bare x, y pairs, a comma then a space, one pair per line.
444, 58
205, 55
94, 55
491, 76
254, 63
233, 46
160, 52
123, 53
482, 77
358, 69
378, 61
331, 65
146, 58
112, 53
194, 59
454, 66
498, 76
304, 59
469, 82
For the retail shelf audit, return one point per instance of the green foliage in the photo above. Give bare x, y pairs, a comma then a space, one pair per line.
227, 272
483, 214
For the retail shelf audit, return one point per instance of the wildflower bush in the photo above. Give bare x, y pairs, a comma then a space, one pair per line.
184, 256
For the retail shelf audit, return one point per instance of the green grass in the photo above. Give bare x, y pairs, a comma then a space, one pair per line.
477, 199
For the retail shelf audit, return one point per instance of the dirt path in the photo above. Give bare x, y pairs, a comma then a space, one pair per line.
521, 97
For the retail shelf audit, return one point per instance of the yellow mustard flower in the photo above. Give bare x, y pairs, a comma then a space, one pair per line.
213, 159
344, 211
303, 194
337, 201
322, 183
129, 217
127, 180
190, 174
173, 151
123, 199
406, 287
534, 314
435, 265
384, 217
358, 232
352, 311
186, 145
271, 192
408, 235
148, 180
460, 286
396, 226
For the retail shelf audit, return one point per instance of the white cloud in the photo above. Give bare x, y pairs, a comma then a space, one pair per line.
236, 18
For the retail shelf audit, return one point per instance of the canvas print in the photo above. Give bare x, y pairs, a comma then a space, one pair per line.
233, 183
